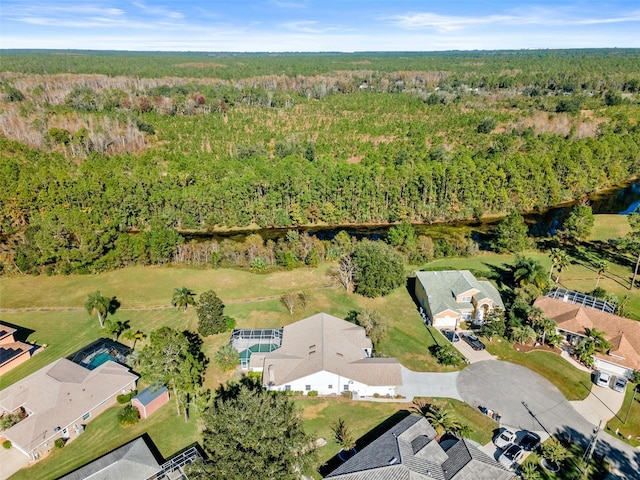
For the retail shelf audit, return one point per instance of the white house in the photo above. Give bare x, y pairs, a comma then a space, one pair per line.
451, 296
325, 354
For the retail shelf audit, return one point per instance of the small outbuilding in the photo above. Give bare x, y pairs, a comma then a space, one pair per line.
150, 400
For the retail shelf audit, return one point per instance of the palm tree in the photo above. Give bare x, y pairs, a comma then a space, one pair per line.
584, 351
602, 267
599, 341
562, 262
528, 271
135, 336
441, 419
554, 255
182, 298
98, 305
535, 315
529, 471
523, 334
115, 328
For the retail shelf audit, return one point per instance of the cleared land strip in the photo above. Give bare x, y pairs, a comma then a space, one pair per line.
130, 309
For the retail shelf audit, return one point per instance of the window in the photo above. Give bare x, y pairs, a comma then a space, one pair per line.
330, 387
287, 388
465, 299
346, 388
307, 387
86, 416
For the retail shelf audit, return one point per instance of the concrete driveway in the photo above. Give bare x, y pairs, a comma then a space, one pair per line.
601, 404
424, 384
11, 461
470, 354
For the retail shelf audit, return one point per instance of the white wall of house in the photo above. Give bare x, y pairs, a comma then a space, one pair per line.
600, 364
328, 383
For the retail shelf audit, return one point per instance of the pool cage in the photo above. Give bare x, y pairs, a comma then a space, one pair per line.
578, 298
98, 352
249, 341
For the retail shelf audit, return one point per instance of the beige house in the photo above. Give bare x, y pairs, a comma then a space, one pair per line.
12, 352
58, 400
450, 296
622, 333
327, 355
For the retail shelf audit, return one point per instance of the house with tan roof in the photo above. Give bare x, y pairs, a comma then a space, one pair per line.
410, 450
448, 297
328, 355
12, 352
58, 400
622, 333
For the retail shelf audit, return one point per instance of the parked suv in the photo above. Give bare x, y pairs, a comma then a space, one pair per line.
474, 341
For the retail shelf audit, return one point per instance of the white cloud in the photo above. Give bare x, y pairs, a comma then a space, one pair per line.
544, 17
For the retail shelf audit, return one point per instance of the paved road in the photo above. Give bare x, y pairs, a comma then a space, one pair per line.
527, 401
423, 384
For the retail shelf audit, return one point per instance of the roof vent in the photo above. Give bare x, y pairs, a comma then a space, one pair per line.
393, 460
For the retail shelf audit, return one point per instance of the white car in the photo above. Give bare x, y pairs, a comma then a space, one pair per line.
602, 378
513, 454
504, 438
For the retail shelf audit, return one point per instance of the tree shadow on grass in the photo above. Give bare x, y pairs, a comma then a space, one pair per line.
335, 461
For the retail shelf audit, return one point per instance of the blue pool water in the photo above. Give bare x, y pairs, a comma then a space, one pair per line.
99, 360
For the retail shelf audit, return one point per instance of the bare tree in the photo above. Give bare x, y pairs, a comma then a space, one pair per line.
290, 300
345, 272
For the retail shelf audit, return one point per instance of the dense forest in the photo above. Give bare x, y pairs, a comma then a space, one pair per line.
106, 158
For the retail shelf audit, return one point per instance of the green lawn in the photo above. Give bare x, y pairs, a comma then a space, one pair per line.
574, 384
320, 414
167, 430
630, 412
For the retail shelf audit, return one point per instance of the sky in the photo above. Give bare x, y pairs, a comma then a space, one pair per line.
318, 26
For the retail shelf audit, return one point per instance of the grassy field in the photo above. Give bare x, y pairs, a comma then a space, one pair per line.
574, 384
145, 294
169, 432
630, 412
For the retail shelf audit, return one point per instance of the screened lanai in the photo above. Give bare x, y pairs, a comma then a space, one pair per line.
249, 341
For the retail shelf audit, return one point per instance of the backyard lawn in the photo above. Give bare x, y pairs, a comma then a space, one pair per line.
574, 384
320, 414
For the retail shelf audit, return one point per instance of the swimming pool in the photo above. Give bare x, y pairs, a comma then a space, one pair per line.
100, 359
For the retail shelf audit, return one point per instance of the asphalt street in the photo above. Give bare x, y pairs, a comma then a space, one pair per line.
527, 401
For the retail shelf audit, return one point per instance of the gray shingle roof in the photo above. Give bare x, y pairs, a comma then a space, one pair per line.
323, 342
149, 394
133, 461
442, 287
409, 450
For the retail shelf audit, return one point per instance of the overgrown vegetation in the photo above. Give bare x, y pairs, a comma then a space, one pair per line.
118, 169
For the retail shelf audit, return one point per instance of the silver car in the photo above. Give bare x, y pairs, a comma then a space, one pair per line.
513, 454
619, 384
